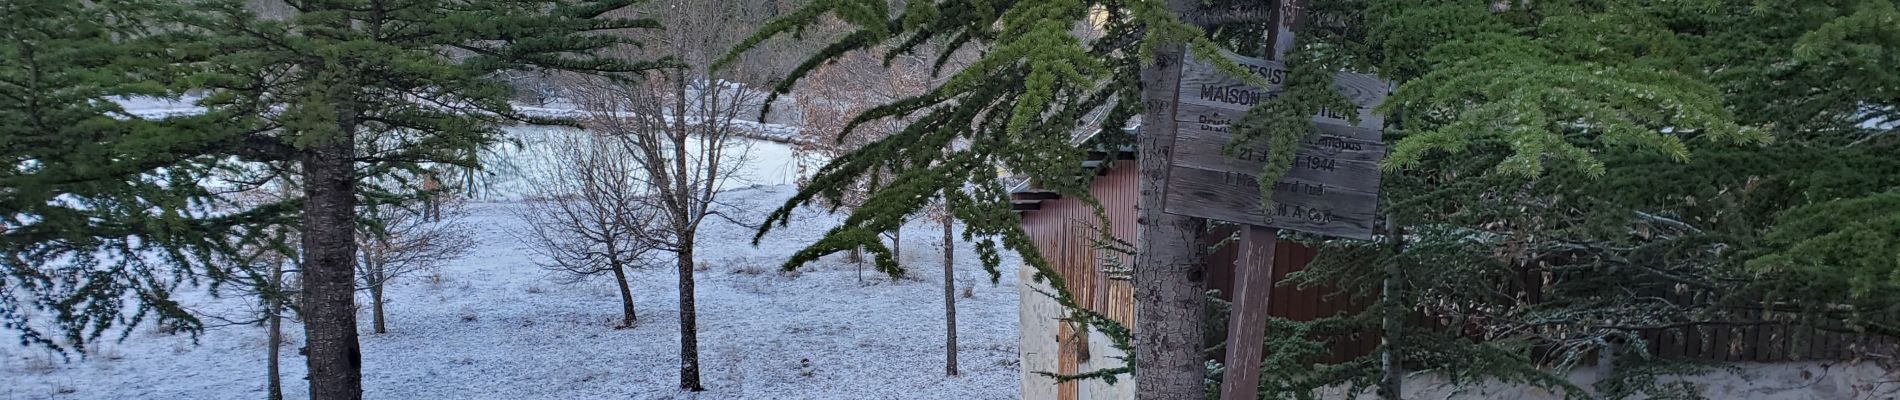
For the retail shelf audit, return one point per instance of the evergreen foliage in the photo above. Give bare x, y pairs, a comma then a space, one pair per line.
1636, 183
1017, 106
103, 213
411, 83
1637, 155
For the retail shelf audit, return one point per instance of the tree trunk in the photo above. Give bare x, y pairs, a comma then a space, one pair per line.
329, 256
376, 299
1392, 365
949, 298
689, 322
275, 308
626, 295
1169, 302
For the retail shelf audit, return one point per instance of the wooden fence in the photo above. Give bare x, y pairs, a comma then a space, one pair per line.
1763, 337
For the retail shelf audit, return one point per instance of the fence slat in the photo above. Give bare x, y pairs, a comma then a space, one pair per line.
1814, 344
1726, 344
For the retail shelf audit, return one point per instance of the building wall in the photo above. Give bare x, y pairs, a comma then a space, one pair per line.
1104, 355
1037, 342
1066, 233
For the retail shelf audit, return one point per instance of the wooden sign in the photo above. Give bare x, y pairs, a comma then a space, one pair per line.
1332, 188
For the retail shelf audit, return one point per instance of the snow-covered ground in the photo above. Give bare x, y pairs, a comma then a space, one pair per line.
513, 168
497, 327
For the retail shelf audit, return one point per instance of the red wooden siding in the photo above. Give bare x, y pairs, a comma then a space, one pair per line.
1064, 232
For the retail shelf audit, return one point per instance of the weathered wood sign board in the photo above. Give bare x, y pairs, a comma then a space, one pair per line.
1333, 186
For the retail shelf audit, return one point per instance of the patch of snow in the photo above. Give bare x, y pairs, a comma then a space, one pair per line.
149, 107
497, 327
510, 171
160, 107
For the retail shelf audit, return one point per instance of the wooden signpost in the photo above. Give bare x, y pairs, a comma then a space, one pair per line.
1332, 188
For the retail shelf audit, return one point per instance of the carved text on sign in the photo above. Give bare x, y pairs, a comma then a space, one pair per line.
1330, 188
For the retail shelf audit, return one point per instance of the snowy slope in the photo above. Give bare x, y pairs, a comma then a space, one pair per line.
496, 327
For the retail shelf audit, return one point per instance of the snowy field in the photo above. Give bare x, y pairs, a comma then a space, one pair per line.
512, 169
494, 326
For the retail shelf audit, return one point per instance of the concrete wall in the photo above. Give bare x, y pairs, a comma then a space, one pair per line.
1755, 381
1040, 350
1037, 344
1103, 355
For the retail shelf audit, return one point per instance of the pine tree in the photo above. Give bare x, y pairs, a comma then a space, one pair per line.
1015, 106
341, 92
339, 72
107, 212
1499, 94
1709, 232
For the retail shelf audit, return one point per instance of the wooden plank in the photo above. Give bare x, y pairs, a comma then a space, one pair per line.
1335, 173
1783, 342
1202, 84
1753, 342
1837, 345
1692, 343
1305, 206
1809, 344
1247, 324
1825, 341
1721, 346
1204, 146
1671, 344
1035, 196
1066, 361
1766, 342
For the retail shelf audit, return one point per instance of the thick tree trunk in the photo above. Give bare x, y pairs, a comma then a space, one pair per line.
329, 256
689, 323
276, 334
1168, 272
376, 299
949, 298
626, 296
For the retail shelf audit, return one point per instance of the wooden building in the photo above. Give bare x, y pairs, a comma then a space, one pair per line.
1065, 232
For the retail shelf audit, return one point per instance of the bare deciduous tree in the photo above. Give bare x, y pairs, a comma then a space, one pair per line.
949, 291
590, 215
405, 241
273, 251
684, 128
835, 94
275, 294
680, 130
